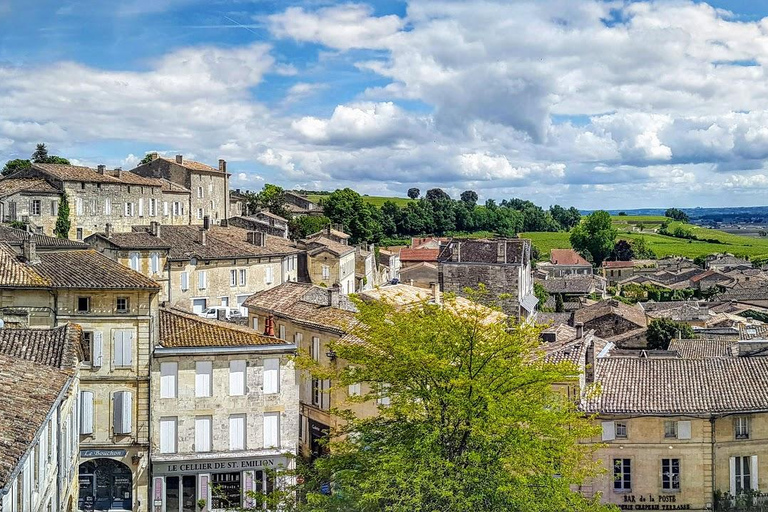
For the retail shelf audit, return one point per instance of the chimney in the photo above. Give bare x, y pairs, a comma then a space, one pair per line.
257, 238
222, 165
370, 248
206, 222
579, 330
30, 250
328, 229
269, 326
436, 293
224, 223
411, 282
202, 236
119, 172
108, 229
101, 168
154, 228
179, 159
333, 296
154, 155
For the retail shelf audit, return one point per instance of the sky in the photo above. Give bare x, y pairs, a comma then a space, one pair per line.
595, 104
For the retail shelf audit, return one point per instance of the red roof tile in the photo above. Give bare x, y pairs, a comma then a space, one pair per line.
567, 257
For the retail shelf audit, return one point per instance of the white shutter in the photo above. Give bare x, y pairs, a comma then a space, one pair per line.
203, 434
123, 348
107, 206
271, 430
609, 431
325, 395
86, 412
354, 389
203, 378
315, 348
281, 332
155, 263
753, 481
297, 339
117, 349
732, 463
271, 376
98, 343
79, 206
141, 207
127, 206
268, 275
237, 432
255, 323
236, 378
683, 429
165, 208
167, 435
201, 280
168, 373
127, 411
184, 281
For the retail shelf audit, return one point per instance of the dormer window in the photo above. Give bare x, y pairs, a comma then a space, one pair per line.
741, 427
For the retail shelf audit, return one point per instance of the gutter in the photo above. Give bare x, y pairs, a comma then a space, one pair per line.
161, 351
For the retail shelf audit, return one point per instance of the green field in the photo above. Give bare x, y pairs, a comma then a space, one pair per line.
647, 220
374, 200
753, 248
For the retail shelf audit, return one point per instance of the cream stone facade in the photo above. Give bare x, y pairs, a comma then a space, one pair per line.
225, 403
34, 201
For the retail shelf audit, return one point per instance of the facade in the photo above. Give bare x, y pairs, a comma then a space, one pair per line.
252, 223
421, 274
225, 403
30, 200
566, 262
298, 204
201, 267
389, 264
503, 266
330, 262
39, 418
208, 186
116, 309
366, 276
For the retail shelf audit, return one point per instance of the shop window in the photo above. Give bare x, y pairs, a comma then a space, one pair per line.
228, 490
670, 474
622, 474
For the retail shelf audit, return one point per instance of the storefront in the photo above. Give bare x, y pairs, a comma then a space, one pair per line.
178, 486
105, 484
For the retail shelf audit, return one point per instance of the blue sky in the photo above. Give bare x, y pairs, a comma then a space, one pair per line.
597, 104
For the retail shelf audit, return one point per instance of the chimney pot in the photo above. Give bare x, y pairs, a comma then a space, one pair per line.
101, 168
579, 330
30, 250
108, 229
154, 228
222, 165
333, 296
179, 159
153, 155
202, 237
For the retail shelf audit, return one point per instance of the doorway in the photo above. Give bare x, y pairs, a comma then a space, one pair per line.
105, 484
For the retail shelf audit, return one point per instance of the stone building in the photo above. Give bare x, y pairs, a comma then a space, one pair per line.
329, 262
201, 267
30, 200
298, 204
615, 321
565, 262
116, 308
502, 265
254, 223
39, 418
225, 409
422, 275
366, 276
208, 186
389, 264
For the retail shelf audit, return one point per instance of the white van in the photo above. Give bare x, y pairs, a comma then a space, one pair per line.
213, 312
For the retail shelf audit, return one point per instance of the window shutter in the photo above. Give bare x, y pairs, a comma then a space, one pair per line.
271, 429
201, 280
271, 376
203, 434
184, 281
141, 207
117, 351
236, 378
98, 342
354, 389
753, 481
165, 208
168, 435
732, 463
86, 412
237, 432
127, 412
168, 380
683, 429
126, 348
203, 378
155, 262
609, 431
126, 205
315, 348
255, 323
117, 412
325, 395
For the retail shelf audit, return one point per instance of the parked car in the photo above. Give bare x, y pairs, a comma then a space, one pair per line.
213, 312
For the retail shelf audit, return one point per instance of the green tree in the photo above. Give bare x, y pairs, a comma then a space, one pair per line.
40, 156
662, 330
675, 214
542, 294
304, 225
361, 220
413, 193
473, 422
596, 235
437, 194
622, 251
12, 166
147, 158
640, 249
271, 198
469, 197
61, 230
559, 306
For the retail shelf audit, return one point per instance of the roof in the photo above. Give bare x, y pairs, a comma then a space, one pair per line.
190, 164
634, 314
618, 264
572, 284
320, 244
326, 232
679, 386
17, 274
306, 304
702, 348
65, 172
553, 319
182, 329
567, 257
10, 186
131, 240
15, 237
169, 187
267, 213
59, 347
426, 255
221, 243
753, 332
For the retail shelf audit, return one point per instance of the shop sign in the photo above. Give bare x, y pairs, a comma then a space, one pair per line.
652, 502
92, 454
215, 466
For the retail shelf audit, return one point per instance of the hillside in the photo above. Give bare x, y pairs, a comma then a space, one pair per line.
374, 200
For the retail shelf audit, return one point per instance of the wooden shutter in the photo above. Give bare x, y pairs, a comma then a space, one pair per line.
237, 378
141, 207
609, 431
165, 208
86, 412
271, 430
683, 429
203, 434
325, 395
201, 280
237, 432
168, 373
123, 348
203, 378
122, 409
271, 376
753, 481
184, 281
167, 435
155, 262
732, 463
98, 345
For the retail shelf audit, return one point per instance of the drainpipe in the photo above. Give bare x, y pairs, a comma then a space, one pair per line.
714, 465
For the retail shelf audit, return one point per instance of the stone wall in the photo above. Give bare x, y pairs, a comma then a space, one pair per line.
19, 206
498, 280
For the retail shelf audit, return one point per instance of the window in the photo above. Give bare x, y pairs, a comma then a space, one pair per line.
281, 331
78, 205
202, 433
670, 474
122, 406
237, 378
203, 378
155, 262
79, 233
200, 213
35, 207
326, 272
384, 395
233, 277
165, 208
176, 208
271, 430
133, 258
225, 301
741, 427
141, 207
122, 304
237, 432
129, 207
255, 323
54, 208
107, 206
168, 435
315, 348
123, 351
199, 192
268, 278
88, 342
242, 276
271, 376
621, 430
316, 391
670, 429
743, 474
184, 279
83, 304
202, 280
168, 372
86, 412
622, 475
152, 207
354, 389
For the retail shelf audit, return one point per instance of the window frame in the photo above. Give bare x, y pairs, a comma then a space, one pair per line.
126, 308
670, 480
87, 309
622, 430
36, 207
175, 438
670, 433
741, 427
622, 475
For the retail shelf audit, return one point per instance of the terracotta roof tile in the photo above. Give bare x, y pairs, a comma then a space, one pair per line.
182, 329
567, 257
426, 255
15, 237
131, 240
87, 174
318, 245
191, 164
634, 314
59, 347
702, 348
10, 186
15, 273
